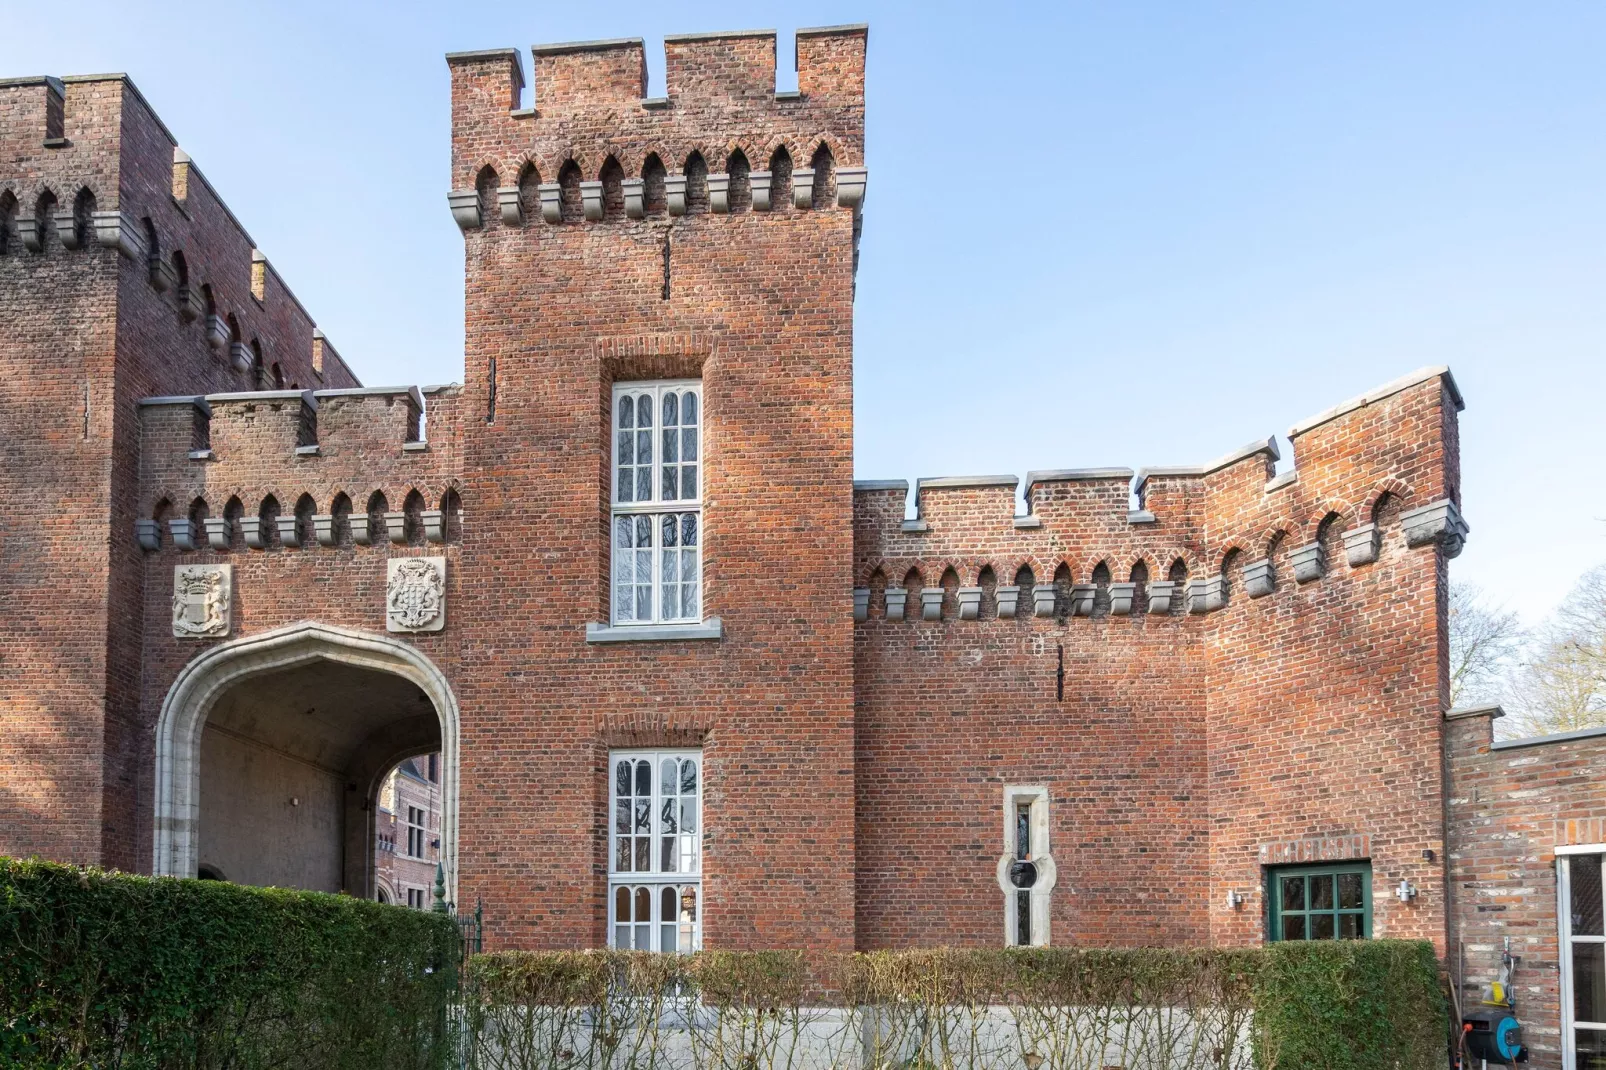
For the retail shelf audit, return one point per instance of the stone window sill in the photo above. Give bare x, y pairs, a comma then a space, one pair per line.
648, 633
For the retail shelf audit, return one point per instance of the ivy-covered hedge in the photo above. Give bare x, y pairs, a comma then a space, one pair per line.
112, 971
1373, 1004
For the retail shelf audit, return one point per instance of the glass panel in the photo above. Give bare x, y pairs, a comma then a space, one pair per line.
1349, 891
643, 854
671, 446
1294, 927
621, 817
644, 410
627, 411
688, 480
643, 777
688, 815
621, 855
643, 815
1584, 874
688, 444
621, 905
1023, 830
1023, 918
1321, 926
1589, 982
1321, 892
688, 529
621, 779
1349, 927
666, 815
1293, 894
1591, 1049
688, 919
668, 491
671, 411
688, 777
644, 484
688, 408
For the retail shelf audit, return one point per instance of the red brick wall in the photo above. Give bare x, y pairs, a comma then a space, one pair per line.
1184, 744
761, 308
83, 336
1508, 810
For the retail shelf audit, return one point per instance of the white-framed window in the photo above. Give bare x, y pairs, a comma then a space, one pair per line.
655, 862
1026, 872
417, 830
415, 898
657, 528
1581, 917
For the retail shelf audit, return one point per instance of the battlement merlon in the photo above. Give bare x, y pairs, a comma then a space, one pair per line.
590, 103
87, 157
1398, 442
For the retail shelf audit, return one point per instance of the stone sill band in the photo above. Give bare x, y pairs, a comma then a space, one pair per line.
648, 633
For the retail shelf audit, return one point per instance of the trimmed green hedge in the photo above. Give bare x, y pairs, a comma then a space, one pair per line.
1313, 1006
108, 971
111, 971
1350, 1005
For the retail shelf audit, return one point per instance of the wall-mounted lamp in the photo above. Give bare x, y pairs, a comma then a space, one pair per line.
1234, 899
1406, 891
294, 801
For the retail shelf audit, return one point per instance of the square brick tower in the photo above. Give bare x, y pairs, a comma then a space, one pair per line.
623, 250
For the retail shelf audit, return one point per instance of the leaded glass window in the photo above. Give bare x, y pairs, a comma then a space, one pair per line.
655, 856
657, 496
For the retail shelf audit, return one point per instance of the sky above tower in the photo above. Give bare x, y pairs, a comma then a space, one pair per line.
1137, 234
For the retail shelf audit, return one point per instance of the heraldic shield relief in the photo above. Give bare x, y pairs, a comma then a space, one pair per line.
201, 597
415, 596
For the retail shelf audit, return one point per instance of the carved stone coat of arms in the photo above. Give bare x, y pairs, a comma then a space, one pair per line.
415, 595
201, 600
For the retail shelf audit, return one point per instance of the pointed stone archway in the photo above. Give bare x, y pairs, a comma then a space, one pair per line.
219, 673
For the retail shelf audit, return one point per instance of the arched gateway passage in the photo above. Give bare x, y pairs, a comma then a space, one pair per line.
270, 750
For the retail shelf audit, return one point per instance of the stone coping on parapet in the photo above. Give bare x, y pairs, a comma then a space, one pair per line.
715, 35
197, 400
1074, 475
880, 484
1487, 709
1387, 390
963, 482
308, 398
1539, 741
1266, 445
373, 391
562, 48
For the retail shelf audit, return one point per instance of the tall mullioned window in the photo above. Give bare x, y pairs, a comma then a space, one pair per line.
657, 503
655, 860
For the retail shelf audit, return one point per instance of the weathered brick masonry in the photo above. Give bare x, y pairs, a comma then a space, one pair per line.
1246, 670
1510, 806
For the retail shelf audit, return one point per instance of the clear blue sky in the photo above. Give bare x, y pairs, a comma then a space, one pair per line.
1191, 224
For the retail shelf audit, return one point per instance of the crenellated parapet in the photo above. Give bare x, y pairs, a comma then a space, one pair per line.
300, 469
1372, 475
594, 148
88, 170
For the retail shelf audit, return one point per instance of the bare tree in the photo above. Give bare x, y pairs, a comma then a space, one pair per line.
1485, 643
1561, 685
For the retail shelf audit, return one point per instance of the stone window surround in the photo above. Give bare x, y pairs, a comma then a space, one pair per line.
1040, 855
